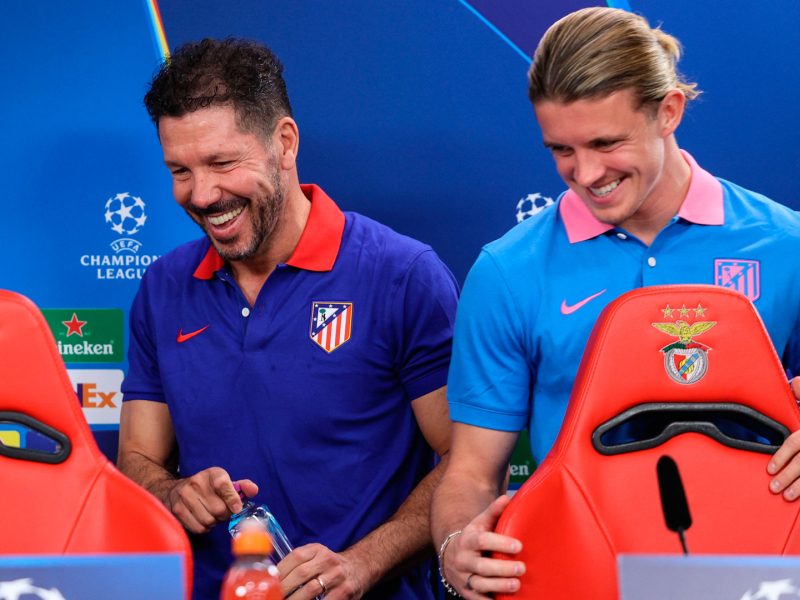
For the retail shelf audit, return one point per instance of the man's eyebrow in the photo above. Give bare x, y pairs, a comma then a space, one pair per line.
594, 142
209, 158
608, 138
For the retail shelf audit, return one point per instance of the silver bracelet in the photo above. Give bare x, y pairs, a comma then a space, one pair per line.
449, 588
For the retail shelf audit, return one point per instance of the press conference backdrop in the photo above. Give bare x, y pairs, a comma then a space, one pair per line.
414, 113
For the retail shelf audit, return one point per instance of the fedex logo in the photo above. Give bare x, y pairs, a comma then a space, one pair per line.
90, 397
98, 392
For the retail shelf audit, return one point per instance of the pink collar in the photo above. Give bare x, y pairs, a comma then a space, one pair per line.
703, 205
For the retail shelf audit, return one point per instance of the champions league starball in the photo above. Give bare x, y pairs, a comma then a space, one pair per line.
532, 204
125, 213
18, 589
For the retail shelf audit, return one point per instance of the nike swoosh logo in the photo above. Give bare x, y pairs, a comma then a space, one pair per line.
183, 338
568, 310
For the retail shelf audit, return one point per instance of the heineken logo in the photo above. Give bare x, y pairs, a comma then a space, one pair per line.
522, 462
87, 335
74, 325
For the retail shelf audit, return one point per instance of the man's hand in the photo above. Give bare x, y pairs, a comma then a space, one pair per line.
148, 454
313, 564
464, 559
207, 498
785, 464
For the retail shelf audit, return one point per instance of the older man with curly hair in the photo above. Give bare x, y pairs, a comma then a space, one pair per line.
296, 349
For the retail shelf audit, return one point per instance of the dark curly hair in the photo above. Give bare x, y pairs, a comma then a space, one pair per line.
240, 72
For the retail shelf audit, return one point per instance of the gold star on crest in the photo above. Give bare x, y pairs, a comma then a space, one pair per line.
698, 312
684, 310
667, 311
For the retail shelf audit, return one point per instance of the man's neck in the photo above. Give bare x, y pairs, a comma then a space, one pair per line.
665, 200
250, 274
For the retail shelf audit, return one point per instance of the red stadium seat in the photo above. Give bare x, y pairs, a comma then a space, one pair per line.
688, 381
72, 501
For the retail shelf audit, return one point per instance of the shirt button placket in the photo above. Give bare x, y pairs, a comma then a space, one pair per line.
648, 273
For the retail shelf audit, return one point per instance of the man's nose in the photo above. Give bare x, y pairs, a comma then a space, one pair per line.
588, 169
205, 190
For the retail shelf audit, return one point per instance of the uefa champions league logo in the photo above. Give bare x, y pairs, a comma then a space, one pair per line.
532, 204
772, 590
14, 590
125, 213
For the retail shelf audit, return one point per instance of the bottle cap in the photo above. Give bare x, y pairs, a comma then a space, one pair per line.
252, 541
238, 489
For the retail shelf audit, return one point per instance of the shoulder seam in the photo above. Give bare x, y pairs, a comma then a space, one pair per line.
405, 274
502, 275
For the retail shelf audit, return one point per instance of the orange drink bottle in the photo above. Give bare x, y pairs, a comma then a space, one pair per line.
253, 576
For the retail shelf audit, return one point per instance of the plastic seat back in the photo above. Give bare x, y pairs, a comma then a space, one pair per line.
60, 494
683, 371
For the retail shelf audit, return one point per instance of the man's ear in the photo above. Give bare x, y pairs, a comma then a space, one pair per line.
286, 140
670, 112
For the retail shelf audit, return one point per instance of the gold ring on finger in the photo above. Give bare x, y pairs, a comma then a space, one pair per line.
322, 585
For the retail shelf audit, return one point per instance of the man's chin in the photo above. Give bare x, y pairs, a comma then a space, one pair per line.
610, 220
609, 216
229, 250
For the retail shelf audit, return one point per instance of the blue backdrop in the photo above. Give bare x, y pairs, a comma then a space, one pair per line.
414, 113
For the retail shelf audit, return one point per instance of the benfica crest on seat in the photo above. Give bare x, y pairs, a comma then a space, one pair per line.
686, 360
331, 323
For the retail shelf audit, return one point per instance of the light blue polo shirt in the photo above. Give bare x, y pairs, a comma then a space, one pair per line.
530, 301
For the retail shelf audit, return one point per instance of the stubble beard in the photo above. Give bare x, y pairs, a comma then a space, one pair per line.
264, 213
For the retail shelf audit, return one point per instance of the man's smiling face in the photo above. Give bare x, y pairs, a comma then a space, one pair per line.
227, 181
608, 152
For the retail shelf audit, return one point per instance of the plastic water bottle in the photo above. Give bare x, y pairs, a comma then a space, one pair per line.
253, 576
261, 516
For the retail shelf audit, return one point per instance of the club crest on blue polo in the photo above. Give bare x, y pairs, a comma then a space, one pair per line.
331, 324
739, 275
686, 361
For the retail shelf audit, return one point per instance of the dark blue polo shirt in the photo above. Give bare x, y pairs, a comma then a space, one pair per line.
308, 393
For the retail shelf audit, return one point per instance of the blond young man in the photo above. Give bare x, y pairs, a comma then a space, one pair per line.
639, 211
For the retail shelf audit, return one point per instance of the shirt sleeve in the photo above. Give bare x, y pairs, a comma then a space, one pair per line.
143, 381
426, 298
490, 379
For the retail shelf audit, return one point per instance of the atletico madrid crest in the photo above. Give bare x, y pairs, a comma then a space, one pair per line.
739, 275
331, 323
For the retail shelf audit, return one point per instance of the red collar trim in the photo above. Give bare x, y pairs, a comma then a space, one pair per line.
318, 246
322, 237
212, 262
